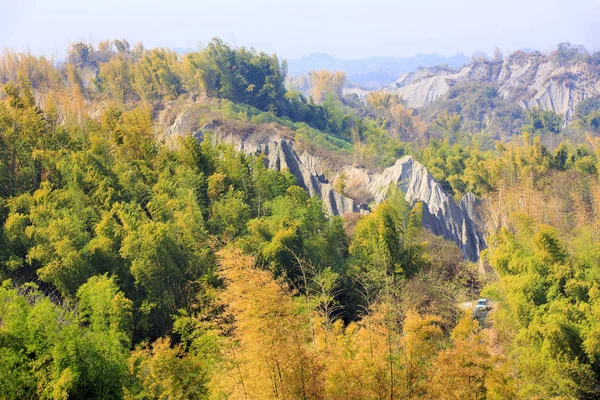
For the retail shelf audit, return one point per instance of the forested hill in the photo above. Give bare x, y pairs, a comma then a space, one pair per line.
143, 256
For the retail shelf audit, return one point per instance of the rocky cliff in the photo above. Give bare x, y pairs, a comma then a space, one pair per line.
530, 80
441, 214
280, 154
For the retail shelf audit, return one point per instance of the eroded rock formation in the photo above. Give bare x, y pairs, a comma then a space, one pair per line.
441, 214
280, 154
530, 80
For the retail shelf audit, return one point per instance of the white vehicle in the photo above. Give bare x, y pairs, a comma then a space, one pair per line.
482, 305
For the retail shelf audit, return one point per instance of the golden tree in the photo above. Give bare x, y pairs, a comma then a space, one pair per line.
166, 372
422, 336
269, 354
460, 371
326, 83
357, 358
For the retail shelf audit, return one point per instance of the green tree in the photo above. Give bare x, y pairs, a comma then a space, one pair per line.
155, 76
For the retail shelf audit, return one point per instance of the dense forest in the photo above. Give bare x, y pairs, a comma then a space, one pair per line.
142, 268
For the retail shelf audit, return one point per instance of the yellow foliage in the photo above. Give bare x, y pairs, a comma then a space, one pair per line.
325, 83
357, 359
269, 354
168, 372
422, 336
460, 371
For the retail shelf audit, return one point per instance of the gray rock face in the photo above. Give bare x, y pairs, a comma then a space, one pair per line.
531, 81
425, 86
441, 215
280, 154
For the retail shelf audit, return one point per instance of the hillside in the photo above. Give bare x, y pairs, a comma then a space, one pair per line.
556, 82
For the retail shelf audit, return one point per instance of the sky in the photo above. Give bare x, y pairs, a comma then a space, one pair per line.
347, 29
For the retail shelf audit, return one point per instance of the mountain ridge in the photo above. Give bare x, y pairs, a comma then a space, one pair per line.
531, 80
372, 72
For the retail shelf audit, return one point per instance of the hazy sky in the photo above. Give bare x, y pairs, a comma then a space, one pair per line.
343, 28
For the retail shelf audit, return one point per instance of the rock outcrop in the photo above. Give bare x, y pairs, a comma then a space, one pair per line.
427, 85
530, 80
280, 154
441, 215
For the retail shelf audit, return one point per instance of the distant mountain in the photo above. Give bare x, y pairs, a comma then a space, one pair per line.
372, 73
